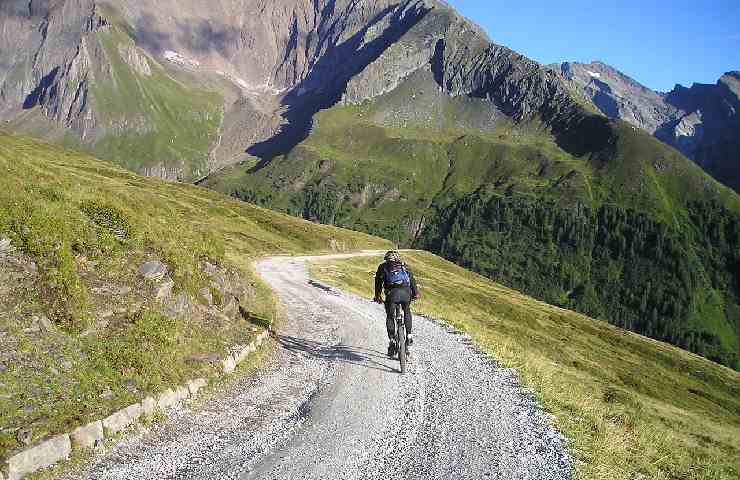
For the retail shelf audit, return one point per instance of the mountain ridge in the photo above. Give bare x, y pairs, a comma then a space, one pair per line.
701, 121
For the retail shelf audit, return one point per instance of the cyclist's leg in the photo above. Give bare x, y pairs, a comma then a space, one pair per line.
390, 320
404, 299
408, 317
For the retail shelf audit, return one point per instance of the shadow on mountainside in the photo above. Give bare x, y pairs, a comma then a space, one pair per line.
328, 79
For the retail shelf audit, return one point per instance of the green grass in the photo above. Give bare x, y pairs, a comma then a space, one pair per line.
627, 403
151, 120
87, 223
423, 170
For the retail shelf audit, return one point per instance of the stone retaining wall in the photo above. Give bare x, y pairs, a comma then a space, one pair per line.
59, 448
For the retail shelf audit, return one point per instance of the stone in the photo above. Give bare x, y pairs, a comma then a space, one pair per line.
154, 270
148, 407
211, 358
164, 289
229, 365
194, 386
121, 420
41, 456
87, 436
34, 327
179, 306
231, 306
245, 352
182, 393
6, 246
66, 365
111, 290
46, 324
167, 399
205, 294
24, 436
209, 268
134, 412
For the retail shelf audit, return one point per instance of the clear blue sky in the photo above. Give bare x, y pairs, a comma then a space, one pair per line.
657, 42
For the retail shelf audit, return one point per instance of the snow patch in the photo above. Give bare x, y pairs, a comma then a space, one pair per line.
593, 74
254, 89
178, 59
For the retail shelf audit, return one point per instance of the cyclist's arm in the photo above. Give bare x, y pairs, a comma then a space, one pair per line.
414, 289
379, 281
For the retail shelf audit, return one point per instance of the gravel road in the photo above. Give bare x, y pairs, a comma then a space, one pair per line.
330, 404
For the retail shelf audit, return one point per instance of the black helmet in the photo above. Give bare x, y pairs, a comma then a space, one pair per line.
393, 256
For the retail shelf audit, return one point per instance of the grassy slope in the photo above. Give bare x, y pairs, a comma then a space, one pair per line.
377, 168
49, 198
151, 119
405, 170
629, 404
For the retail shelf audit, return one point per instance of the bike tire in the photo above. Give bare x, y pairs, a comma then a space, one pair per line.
402, 348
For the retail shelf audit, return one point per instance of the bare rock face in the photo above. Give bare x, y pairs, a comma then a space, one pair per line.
79, 63
702, 121
617, 95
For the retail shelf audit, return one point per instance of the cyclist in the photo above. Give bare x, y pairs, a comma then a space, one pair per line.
395, 278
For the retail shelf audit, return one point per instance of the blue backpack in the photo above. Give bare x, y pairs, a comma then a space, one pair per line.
396, 275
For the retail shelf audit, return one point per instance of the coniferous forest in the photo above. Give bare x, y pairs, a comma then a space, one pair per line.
680, 283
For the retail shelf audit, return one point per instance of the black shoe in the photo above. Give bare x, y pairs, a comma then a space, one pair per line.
392, 348
409, 340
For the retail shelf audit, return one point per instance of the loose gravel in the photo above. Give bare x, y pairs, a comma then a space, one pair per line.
330, 404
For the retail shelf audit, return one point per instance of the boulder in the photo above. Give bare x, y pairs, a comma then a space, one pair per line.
41, 456
153, 271
230, 306
209, 268
111, 290
178, 306
210, 358
88, 436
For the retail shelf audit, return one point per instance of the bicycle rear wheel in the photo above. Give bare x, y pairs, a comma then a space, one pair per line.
402, 347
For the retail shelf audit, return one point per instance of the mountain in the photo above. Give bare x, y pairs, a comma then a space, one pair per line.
702, 121
400, 119
176, 90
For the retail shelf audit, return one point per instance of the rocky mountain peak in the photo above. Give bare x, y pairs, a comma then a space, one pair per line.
94, 67
701, 121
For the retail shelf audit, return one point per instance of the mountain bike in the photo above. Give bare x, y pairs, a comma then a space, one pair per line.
401, 337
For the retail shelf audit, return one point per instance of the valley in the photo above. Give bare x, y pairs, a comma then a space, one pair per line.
175, 174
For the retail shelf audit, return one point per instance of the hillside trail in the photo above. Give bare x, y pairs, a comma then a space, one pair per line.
329, 403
